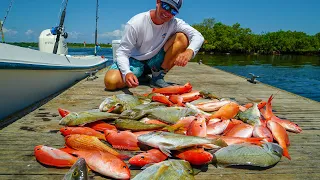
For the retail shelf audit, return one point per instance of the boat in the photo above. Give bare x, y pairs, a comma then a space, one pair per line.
28, 76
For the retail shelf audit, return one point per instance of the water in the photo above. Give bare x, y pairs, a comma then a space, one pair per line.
297, 74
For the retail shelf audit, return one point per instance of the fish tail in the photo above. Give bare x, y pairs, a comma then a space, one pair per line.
286, 153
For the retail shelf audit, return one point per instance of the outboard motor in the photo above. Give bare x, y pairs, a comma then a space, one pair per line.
47, 40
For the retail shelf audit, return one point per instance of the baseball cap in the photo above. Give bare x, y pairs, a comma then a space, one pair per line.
174, 3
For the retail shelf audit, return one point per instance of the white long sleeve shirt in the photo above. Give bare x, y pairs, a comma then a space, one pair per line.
143, 39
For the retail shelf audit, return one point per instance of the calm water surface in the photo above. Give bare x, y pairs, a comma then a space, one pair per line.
296, 74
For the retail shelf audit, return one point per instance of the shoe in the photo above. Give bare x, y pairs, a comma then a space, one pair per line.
157, 79
144, 78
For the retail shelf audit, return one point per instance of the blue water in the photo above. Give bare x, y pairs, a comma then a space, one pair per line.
297, 74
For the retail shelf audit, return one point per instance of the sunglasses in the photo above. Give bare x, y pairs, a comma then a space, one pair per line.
167, 7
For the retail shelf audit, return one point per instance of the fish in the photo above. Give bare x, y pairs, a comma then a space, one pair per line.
237, 140
191, 96
251, 115
195, 156
151, 105
208, 95
63, 112
169, 169
53, 157
105, 163
150, 157
266, 155
170, 115
162, 99
177, 99
81, 130
281, 136
287, 124
85, 142
197, 110
119, 103
240, 130
198, 127
263, 132
227, 111
166, 141
170, 90
232, 123
127, 124
78, 171
101, 126
124, 140
85, 117
212, 105
217, 127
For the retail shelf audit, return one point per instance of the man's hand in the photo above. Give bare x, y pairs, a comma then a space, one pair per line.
184, 57
131, 80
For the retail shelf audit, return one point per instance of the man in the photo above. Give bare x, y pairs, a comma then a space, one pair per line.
153, 42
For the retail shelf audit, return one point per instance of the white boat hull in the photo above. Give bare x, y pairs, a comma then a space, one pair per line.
28, 76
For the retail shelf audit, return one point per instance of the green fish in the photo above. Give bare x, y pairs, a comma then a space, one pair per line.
120, 102
84, 117
166, 141
170, 115
251, 115
151, 105
170, 169
127, 124
78, 171
247, 154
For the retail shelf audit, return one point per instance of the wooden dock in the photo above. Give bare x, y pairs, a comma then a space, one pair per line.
41, 126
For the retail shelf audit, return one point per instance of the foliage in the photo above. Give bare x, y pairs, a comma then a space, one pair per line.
223, 38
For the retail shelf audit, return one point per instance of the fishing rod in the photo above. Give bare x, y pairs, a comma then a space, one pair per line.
4, 20
96, 32
59, 29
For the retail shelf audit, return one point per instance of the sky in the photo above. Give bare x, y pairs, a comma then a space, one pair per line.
27, 19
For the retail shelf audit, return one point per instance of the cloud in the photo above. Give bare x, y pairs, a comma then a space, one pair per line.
29, 32
74, 35
116, 34
9, 31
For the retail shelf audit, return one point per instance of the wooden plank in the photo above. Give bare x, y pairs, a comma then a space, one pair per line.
40, 126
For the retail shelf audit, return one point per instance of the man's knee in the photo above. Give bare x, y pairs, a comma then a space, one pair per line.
112, 80
182, 39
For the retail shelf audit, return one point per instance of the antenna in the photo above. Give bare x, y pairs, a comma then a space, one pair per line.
96, 32
4, 20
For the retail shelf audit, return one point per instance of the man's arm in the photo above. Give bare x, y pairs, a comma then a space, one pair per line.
195, 38
128, 42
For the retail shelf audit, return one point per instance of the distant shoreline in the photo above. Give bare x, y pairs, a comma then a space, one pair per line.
201, 51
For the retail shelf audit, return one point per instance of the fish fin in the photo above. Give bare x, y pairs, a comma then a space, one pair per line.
219, 142
165, 151
102, 137
286, 153
210, 146
124, 147
123, 156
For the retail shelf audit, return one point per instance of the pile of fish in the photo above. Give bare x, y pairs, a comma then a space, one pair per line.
168, 131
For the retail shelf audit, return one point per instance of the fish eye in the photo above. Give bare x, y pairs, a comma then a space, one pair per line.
200, 125
38, 149
75, 173
125, 167
142, 157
